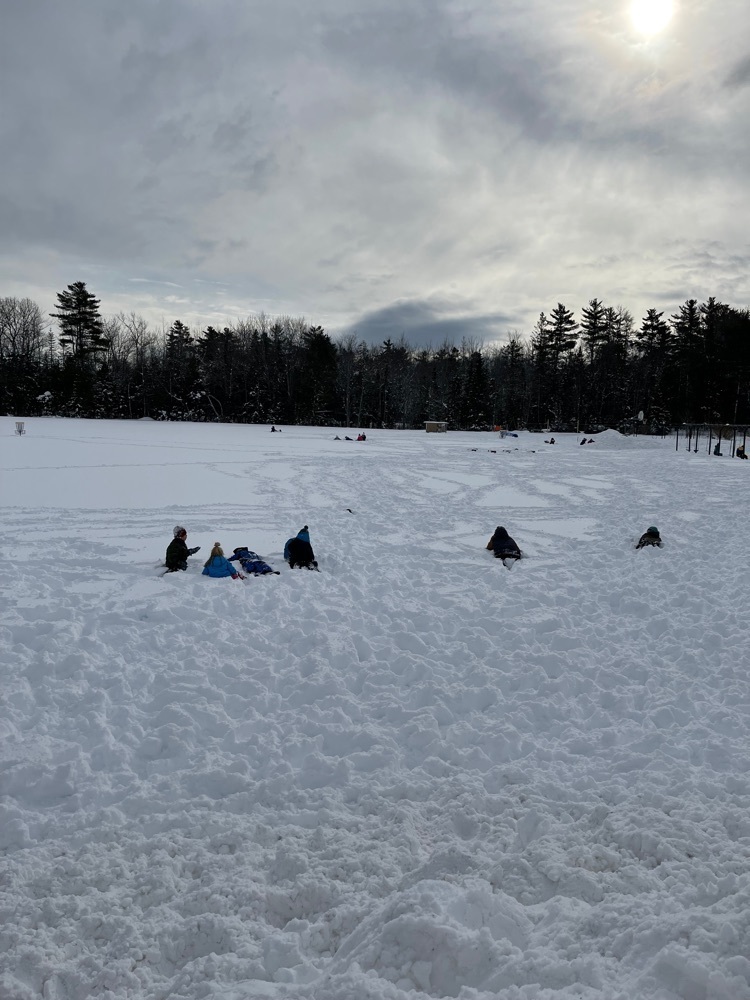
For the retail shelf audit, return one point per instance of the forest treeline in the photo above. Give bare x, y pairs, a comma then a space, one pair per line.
598, 370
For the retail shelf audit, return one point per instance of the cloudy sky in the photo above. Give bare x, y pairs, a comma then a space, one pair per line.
426, 167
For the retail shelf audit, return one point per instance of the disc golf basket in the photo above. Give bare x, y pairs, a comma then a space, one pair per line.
20, 428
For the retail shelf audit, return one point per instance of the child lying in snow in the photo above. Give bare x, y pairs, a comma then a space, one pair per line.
649, 537
251, 562
503, 545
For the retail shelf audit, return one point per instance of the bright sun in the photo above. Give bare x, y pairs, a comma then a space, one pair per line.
651, 16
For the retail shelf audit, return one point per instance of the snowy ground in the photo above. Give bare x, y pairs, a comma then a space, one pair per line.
414, 774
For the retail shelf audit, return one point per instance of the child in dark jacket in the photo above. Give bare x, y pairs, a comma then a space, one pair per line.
649, 537
503, 545
251, 562
298, 550
217, 566
177, 550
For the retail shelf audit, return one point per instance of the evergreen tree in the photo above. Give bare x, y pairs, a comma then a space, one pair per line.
82, 340
655, 349
216, 351
653, 338
512, 384
562, 332
385, 359
81, 327
562, 339
541, 367
611, 366
317, 381
179, 345
593, 328
475, 395
712, 371
182, 398
686, 323
403, 398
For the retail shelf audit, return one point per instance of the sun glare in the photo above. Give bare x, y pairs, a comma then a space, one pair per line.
651, 16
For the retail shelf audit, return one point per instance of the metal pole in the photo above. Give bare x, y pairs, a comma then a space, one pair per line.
710, 439
677, 440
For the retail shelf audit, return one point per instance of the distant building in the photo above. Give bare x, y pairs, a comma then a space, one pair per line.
436, 426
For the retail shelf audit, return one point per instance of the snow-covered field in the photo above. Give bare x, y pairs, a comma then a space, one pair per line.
413, 774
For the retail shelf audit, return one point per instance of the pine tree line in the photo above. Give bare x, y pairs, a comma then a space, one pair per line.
598, 371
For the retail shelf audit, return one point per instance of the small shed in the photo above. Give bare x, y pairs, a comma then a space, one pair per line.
436, 426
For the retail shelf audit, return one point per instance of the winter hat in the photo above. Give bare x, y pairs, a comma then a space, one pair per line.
304, 534
177, 530
652, 530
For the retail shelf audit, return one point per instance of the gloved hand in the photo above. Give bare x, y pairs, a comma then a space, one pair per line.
191, 552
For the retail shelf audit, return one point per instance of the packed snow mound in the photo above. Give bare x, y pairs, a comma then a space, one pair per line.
614, 439
439, 938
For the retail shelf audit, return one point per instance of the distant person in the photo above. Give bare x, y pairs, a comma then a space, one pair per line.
273, 429
717, 449
217, 566
740, 453
503, 546
650, 536
337, 438
251, 562
298, 551
550, 441
591, 441
361, 436
347, 438
177, 550
584, 441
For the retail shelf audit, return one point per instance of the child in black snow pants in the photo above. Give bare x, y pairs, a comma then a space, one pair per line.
503, 545
177, 550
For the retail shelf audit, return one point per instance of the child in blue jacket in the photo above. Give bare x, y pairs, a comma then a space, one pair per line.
251, 562
217, 566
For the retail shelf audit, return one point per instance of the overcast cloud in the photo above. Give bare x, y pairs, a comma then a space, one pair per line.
433, 169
